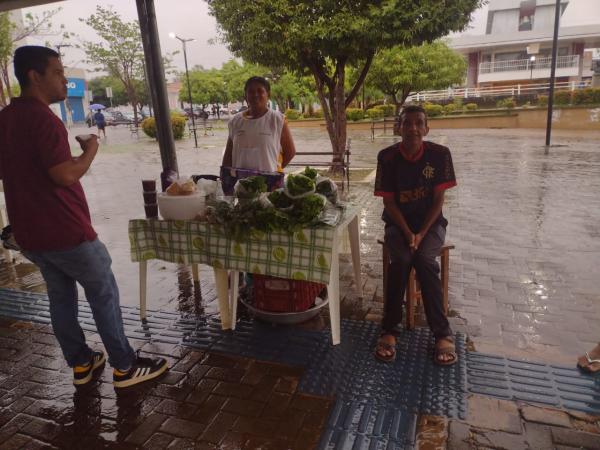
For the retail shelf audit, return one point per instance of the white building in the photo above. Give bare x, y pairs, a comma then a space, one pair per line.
517, 45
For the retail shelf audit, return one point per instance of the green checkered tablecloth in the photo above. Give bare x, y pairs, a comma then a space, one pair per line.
303, 255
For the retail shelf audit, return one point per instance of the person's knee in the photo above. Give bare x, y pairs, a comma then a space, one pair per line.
425, 260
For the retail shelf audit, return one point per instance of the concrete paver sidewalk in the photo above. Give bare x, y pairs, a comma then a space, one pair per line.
206, 401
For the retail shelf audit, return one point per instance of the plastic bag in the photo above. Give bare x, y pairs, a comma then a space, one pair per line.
325, 186
298, 186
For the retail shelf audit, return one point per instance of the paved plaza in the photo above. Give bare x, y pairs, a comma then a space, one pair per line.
523, 286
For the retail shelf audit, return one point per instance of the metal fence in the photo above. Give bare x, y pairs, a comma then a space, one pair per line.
514, 90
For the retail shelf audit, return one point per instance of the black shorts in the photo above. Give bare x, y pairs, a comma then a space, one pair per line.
101, 127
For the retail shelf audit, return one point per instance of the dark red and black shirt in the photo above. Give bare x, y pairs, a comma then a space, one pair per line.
44, 216
412, 181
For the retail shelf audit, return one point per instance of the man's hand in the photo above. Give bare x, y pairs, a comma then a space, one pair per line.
417, 238
87, 143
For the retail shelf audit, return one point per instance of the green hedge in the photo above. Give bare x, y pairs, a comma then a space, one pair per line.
292, 114
433, 110
509, 103
355, 114
387, 109
471, 106
177, 125
375, 113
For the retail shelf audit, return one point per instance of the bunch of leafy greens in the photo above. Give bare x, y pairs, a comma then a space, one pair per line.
306, 210
252, 187
279, 199
299, 184
327, 188
310, 173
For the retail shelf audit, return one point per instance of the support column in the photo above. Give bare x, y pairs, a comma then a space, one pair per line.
158, 89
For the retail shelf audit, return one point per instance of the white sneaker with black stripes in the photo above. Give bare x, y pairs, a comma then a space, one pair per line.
143, 369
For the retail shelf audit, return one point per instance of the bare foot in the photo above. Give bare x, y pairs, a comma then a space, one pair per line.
594, 356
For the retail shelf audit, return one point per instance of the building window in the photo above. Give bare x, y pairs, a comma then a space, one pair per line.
526, 15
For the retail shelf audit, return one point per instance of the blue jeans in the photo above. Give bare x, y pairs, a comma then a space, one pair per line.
89, 265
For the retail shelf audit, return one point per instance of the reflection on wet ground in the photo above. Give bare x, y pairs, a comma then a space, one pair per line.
525, 225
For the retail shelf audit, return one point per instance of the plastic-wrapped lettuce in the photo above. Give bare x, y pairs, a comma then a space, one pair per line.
297, 186
310, 173
279, 199
307, 209
251, 187
327, 188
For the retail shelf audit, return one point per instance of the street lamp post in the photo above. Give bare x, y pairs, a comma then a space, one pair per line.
187, 76
531, 62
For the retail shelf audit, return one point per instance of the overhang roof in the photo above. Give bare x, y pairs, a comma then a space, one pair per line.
7, 5
588, 34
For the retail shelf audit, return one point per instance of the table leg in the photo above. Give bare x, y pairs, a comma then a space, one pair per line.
223, 294
354, 232
143, 276
195, 275
233, 296
333, 292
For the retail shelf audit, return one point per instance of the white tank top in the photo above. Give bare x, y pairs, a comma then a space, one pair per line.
257, 142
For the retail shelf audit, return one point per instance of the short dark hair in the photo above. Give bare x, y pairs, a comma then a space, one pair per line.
31, 57
412, 109
260, 80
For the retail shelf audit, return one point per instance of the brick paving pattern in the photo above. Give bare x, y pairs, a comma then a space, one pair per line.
523, 284
205, 400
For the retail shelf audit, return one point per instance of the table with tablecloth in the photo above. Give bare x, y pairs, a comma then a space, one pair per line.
310, 254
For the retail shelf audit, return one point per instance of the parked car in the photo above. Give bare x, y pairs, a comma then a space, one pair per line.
198, 113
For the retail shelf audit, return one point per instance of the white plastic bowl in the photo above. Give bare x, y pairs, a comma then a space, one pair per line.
181, 207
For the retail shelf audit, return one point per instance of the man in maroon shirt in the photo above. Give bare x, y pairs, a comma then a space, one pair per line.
412, 177
51, 222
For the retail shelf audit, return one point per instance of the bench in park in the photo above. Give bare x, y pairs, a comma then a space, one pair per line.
303, 159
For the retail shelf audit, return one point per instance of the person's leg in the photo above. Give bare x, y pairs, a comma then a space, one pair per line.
62, 293
398, 273
428, 274
89, 263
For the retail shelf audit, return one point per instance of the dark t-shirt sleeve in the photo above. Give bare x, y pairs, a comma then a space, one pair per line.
52, 140
444, 177
384, 178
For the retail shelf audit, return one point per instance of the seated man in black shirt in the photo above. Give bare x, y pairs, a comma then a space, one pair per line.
412, 177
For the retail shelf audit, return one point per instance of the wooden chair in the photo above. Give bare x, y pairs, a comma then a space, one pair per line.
413, 290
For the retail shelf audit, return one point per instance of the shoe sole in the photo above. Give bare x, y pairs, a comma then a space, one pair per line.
91, 374
138, 380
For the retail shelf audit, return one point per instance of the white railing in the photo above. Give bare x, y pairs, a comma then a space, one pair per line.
504, 91
511, 65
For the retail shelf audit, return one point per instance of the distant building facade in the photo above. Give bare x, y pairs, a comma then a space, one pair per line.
517, 45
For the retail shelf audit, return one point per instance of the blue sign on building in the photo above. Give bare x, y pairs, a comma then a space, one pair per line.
75, 87
75, 96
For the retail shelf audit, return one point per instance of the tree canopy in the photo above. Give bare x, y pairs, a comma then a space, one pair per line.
399, 71
119, 52
11, 36
323, 36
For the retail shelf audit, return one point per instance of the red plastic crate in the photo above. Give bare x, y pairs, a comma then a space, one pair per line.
283, 295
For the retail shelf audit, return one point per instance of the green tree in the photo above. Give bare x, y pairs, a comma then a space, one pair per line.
98, 87
119, 52
208, 88
235, 76
11, 36
324, 36
285, 89
399, 71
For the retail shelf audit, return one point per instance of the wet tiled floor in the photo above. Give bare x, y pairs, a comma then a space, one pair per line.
525, 225
522, 276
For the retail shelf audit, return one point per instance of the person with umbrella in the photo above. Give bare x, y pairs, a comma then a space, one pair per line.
99, 118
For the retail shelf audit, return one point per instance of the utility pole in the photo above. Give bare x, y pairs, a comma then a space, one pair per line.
187, 76
552, 75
